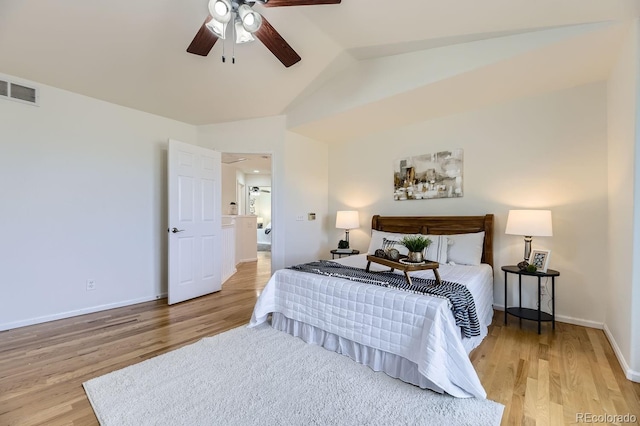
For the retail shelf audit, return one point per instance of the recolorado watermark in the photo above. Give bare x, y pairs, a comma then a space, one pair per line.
605, 418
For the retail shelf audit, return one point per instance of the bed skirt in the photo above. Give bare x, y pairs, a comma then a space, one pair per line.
391, 364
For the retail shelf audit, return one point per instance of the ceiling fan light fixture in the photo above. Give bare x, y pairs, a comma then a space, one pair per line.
218, 28
251, 20
220, 10
242, 35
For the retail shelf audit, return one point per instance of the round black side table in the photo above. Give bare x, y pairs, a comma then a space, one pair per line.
343, 253
527, 313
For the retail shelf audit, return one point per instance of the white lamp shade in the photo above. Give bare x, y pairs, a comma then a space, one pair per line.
347, 219
218, 28
251, 20
220, 10
243, 36
530, 223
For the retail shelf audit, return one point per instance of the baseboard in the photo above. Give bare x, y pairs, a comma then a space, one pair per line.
77, 312
224, 279
630, 374
568, 320
579, 321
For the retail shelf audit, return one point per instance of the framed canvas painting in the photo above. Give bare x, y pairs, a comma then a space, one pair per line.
428, 176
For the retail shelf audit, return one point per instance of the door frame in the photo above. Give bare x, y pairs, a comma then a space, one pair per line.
277, 240
240, 191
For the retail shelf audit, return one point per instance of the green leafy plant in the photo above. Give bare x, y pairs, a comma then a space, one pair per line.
415, 243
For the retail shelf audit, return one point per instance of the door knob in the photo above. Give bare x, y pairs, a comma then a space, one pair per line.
176, 230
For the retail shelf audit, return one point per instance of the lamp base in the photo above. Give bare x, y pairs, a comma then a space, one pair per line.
523, 265
343, 244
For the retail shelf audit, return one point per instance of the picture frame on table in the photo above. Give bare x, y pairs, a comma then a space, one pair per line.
540, 258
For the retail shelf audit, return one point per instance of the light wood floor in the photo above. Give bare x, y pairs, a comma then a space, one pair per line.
544, 379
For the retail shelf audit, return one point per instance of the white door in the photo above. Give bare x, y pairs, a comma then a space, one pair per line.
194, 221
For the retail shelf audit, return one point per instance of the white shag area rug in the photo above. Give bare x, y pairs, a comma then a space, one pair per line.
262, 376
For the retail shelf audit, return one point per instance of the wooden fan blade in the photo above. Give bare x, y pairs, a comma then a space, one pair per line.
276, 44
204, 40
281, 3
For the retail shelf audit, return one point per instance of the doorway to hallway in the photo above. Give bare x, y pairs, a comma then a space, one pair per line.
247, 182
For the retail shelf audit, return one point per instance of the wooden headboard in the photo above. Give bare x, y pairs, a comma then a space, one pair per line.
440, 225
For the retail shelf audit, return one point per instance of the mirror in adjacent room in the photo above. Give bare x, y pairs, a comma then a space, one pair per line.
260, 205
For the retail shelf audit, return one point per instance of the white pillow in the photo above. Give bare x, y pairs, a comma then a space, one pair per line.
437, 250
378, 236
465, 249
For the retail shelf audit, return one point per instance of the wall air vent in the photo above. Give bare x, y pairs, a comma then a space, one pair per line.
23, 93
18, 92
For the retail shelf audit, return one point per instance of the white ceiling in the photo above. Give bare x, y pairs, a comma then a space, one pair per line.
133, 53
249, 163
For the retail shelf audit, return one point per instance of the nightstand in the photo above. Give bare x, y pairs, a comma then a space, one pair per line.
335, 252
527, 313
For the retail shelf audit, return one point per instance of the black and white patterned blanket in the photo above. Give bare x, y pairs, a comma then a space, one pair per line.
459, 297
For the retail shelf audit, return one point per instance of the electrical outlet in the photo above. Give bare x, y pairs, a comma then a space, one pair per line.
91, 285
300, 217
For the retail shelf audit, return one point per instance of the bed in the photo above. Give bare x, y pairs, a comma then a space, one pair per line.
409, 336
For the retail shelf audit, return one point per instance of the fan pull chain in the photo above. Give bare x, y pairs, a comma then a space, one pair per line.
224, 29
233, 48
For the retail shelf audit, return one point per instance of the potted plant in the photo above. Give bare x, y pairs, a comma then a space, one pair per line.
416, 244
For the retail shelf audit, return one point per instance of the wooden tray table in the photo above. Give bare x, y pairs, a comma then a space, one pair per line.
404, 267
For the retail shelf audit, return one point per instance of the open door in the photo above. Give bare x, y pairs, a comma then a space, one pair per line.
194, 221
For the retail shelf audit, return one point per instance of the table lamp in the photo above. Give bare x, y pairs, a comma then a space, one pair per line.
347, 219
529, 223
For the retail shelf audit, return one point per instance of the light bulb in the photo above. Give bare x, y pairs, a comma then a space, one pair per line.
221, 8
251, 20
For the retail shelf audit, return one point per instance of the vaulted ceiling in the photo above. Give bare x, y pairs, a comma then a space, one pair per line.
363, 65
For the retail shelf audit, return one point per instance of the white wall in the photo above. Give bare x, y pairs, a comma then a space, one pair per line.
83, 190
229, 188
258, 179
307, 190
547, 151
268, 135
622, 322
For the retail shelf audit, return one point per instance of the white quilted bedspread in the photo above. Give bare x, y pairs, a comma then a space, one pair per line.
417, 327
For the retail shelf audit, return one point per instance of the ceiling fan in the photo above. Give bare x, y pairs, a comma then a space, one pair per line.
246, 23
256, 190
